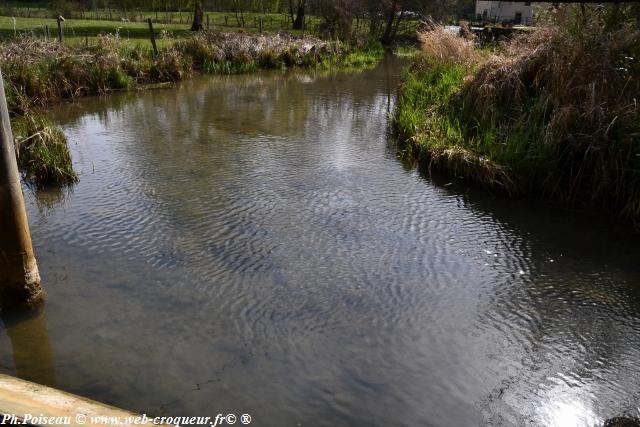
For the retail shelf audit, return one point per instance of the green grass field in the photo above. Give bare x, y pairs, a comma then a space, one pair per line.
76, 30
167, 26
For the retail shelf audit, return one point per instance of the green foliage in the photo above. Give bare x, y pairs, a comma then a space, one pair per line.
43, 153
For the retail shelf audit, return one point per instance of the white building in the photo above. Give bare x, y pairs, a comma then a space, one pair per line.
508, 12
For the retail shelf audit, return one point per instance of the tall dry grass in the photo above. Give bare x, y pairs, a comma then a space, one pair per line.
577, 85
445, 46
557, 110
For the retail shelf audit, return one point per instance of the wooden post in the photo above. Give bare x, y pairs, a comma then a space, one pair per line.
153, 37
46, 32
59, 19
86, 39
19, 277
208, 23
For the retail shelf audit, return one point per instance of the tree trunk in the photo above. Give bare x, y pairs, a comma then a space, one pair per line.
297, 25
387, 36
395, 28
291, 12
198, 15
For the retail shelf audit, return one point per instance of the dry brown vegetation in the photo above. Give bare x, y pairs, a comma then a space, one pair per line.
443, 45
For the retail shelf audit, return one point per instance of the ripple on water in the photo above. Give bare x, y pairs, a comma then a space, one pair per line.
278, 259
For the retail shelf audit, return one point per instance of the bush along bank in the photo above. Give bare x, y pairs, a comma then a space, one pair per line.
554, 113
38, 73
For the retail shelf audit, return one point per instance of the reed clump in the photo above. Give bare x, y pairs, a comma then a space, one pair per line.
445, 46
42, 151
554, 113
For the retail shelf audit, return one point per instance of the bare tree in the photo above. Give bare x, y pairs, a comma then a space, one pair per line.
198, 15
238, 7
338, 16
297, 10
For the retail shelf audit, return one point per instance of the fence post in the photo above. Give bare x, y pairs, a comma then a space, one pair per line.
19, 277
60, 19
153, 37
208, 24
46, 32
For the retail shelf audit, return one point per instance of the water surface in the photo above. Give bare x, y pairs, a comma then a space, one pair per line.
251, 244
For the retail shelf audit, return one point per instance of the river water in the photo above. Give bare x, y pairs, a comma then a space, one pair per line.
251, 244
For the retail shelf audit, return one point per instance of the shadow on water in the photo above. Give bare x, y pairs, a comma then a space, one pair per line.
32, 351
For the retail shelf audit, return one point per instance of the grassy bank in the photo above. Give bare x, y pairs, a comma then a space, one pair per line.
38, 73
553, 113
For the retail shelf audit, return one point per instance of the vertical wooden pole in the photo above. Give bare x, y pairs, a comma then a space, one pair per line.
59, 29
153, 37
19, 277
208, 24
46, 32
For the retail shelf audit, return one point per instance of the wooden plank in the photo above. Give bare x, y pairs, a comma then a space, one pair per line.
19, 398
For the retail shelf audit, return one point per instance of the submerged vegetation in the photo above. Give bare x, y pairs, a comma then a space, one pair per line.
38, 73
553, 113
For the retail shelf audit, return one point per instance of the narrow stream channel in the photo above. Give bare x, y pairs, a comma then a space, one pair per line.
251, 244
